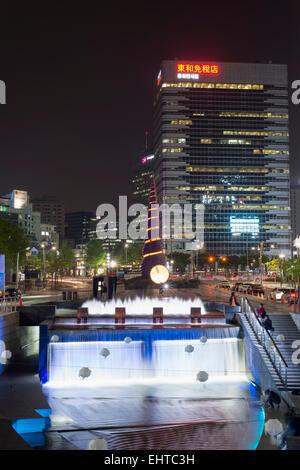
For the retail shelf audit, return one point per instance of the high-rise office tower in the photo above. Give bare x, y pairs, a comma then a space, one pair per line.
141, 181
80, 226
220, 138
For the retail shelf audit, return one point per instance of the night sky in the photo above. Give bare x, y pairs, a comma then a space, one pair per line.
79, 83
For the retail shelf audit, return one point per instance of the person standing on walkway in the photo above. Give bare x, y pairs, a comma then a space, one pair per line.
272, 398
232, 300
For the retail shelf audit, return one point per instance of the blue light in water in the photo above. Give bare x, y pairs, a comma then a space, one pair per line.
32, 430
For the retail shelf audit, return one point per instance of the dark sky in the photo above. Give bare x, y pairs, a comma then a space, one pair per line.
79, 83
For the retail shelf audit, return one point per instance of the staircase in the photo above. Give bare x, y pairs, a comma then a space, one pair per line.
285, 325
279, 383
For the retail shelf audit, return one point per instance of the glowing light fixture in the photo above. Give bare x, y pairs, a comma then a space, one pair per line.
159, 274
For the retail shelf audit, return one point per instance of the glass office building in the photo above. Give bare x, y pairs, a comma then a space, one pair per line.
220, 138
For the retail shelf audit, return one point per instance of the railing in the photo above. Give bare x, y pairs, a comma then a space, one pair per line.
267, 341
8, 305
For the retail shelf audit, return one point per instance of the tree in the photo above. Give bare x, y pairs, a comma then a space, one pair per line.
180, 259
133, 256
12, 242
273, 265
95, 254
64, 260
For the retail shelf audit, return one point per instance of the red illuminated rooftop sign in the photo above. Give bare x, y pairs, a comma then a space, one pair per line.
198, 68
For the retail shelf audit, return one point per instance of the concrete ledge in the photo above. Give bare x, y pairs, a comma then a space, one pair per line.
293, 443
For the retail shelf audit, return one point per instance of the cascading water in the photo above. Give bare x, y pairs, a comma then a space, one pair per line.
144, 306
152, 354
145, 393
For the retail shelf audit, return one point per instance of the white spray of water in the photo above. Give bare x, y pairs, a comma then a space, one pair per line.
144, 306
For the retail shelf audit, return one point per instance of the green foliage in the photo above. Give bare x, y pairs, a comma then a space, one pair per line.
134, 254
12, 242
95, 254
65, 260
180, 259
273, 265
291, 267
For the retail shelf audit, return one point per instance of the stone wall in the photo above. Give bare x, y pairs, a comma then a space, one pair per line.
9, 335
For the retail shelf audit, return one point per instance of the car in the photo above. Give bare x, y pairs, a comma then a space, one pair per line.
257, 289
245, 287
12, 293
277, 294
224, 285
237, 286
290, 296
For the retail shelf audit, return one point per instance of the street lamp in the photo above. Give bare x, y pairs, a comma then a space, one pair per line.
126, 249
44, 264
281, 256
297, 245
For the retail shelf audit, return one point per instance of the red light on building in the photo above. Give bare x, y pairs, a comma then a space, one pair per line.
211, 259
197, 68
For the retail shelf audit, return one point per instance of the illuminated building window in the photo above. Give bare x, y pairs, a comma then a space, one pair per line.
270, 151
213, 169
178, 149
227, 188
174, 141
257, 133
205, 141
182, 122
244, 225
198, 114
256, 151
233, 86
252, 115
235, 141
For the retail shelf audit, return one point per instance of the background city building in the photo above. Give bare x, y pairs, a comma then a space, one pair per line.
49, 234
79, 226
16, 207
221, 139
52, 212
141, 180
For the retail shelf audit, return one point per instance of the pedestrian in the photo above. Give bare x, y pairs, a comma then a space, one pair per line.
273, 398
293, 427
261, 313
267, 323
232, 300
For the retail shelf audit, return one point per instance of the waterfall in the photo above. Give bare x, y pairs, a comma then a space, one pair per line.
151, 354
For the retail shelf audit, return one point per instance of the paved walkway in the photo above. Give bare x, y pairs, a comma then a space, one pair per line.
20, 395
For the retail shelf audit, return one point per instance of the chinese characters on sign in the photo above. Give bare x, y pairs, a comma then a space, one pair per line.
198, 68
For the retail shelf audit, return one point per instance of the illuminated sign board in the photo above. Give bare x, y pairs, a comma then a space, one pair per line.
193, 71
197, 68
159, 77
19, 199
244, 225
146, 159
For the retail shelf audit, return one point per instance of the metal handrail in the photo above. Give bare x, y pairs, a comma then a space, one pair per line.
8, 305
262, 333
